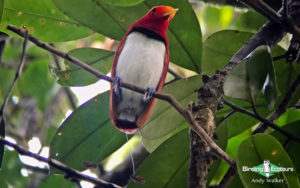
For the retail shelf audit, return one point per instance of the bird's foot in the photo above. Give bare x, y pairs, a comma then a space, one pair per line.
116, 87
148, 94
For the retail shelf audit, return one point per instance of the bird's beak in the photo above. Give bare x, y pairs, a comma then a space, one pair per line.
171, 13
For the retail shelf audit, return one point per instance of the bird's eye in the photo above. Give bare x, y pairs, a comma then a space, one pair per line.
153, 11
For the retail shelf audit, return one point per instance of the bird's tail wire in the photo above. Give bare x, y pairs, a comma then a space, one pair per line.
131, 156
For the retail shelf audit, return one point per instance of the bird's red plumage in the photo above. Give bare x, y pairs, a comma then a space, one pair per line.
157, 24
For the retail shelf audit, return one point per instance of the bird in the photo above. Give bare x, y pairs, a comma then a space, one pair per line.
141, 59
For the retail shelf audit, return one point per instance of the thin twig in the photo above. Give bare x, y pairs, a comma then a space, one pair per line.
175, 74
67, 90
71, 173
176, 77
265, 10
265, 121
166, 97
282, 106
17, 75
226, 117
227, 178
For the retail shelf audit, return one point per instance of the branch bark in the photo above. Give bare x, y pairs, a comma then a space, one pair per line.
211, 93
69, 172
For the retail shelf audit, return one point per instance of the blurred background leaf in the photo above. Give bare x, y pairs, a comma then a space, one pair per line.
73, 75
42, 19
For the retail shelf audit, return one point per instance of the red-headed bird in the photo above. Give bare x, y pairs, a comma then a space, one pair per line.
142, 59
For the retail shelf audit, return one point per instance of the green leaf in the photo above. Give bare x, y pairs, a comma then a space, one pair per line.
42, 19
167, 166
36, 81
152, 143
250, 21
239, 122
121, 2
87, 135
236, 182
6, 78
291, 115
55, 180
1, 8
10, 175
164, 119
76, 76
254, 151
185, 42
219, 47
252, 77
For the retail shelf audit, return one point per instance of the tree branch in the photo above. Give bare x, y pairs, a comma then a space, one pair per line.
17, 75
275, 4
166, 97
265, 10
264, 120
67, 90
211, 93
70, 173
8, 94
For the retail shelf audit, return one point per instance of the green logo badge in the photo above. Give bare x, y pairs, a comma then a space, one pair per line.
266, 169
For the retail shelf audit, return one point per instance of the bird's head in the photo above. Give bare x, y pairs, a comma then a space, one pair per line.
157, 19
161, 13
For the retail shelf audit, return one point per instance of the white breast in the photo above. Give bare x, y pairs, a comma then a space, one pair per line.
141, 63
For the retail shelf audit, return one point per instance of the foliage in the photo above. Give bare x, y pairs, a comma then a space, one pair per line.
39, 104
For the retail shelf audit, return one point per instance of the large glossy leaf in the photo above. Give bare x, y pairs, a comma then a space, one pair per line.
250, 21
121, 2
76, 76
236, 182
185, 40
42, 19
164, 118
152, 143
252, 153
167, 166
87, 135
219, 47
253, 76
291, 115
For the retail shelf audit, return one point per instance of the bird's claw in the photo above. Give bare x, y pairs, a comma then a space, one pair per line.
148, 94
116, 87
